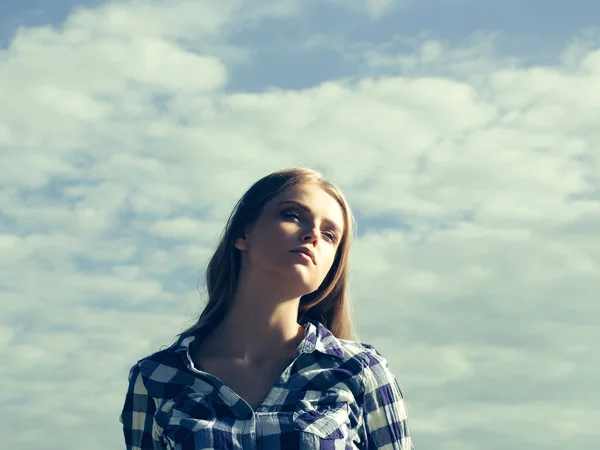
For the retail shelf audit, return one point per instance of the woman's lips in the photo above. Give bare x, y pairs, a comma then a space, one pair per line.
304, 255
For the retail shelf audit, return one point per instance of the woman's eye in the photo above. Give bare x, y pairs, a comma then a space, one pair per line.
291, 214
294, 214
331, 236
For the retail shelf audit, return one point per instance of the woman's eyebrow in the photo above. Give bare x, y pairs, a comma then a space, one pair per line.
305, 208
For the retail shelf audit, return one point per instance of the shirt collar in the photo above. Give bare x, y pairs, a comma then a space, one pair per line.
317, 338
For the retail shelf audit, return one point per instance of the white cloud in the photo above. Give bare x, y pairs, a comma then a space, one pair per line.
476, 183
374, 9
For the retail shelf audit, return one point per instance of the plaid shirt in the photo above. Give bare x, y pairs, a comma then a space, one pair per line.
335, 394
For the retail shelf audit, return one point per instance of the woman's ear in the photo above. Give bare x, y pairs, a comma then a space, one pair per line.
241, 243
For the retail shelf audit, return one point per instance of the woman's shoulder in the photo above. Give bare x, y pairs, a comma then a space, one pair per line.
366, 353
165, 356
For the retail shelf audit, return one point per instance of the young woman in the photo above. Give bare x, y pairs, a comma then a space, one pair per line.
270, 363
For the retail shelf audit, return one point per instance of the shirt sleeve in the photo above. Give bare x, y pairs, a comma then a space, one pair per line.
384, 410
138, 414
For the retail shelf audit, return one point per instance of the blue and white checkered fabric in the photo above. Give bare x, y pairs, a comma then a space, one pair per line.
335, 394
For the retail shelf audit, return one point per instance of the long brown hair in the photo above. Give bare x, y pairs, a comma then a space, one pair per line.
329, 304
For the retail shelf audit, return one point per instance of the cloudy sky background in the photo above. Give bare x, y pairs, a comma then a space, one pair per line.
464, 133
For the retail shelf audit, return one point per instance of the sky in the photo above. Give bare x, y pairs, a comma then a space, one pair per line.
464, 134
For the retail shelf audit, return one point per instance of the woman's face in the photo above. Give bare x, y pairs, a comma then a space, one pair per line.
306, 216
